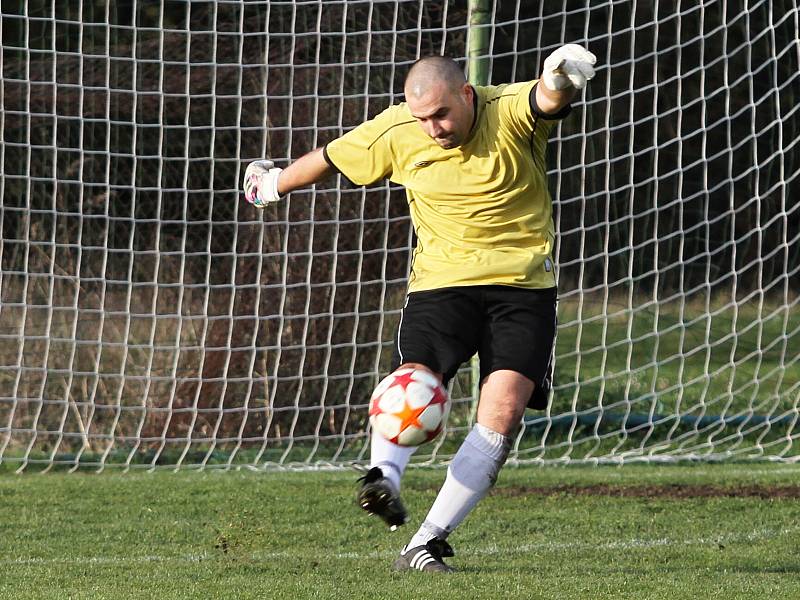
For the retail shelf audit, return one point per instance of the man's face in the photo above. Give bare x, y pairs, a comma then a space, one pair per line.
444, 114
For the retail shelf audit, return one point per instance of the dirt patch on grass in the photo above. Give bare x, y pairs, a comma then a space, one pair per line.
656, 491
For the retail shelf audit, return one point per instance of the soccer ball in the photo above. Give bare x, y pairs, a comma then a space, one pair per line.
409, 407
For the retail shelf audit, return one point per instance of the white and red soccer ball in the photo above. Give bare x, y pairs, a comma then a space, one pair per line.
409, 407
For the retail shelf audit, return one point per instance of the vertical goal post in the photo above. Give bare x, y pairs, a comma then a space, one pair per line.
149, 317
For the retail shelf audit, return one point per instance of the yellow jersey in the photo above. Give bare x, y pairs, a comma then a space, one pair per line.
482, 211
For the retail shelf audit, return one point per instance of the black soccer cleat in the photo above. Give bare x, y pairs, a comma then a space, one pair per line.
377, 496
425, 558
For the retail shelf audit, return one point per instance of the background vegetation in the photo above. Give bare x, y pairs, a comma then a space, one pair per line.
145, 308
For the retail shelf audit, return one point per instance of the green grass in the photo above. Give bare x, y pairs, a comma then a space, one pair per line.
299, 535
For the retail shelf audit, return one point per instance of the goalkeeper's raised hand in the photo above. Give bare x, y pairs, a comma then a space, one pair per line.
261, 183
569, 66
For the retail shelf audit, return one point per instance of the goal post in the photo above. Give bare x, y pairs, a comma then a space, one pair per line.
149, 317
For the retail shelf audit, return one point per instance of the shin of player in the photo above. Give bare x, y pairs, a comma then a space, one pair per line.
474, 469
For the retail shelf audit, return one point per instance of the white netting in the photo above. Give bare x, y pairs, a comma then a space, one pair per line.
149, 317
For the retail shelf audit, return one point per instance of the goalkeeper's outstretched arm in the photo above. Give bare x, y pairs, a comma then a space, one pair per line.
565, 71
265, 183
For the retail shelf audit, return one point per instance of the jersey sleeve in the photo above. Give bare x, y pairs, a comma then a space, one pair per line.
523, 115
363, 154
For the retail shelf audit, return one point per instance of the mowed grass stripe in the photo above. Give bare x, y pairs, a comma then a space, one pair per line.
730, 538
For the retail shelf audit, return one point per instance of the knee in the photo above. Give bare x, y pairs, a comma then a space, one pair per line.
504, 396
503, 415
411, 365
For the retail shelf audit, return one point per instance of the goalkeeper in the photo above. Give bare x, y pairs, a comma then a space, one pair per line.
472, 160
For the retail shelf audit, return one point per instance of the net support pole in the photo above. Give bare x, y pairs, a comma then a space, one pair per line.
480, 18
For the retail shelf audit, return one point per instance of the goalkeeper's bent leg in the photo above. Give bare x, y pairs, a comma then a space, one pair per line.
390, 458
379, 488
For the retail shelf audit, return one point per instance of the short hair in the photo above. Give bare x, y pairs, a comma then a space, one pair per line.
431, 69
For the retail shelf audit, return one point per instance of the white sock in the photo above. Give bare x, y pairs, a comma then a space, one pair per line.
391, 458
470, 476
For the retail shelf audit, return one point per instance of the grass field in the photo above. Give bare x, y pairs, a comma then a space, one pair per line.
704, 531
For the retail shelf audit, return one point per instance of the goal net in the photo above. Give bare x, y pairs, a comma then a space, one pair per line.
149, 317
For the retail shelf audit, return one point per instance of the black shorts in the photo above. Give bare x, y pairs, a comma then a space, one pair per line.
510, 328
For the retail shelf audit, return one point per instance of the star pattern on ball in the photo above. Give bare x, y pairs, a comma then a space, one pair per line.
408, 407
408, 416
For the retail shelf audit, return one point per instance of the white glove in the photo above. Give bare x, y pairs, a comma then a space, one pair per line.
570, 65
261, 183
